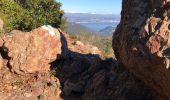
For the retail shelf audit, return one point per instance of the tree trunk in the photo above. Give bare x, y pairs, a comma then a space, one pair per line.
142, 42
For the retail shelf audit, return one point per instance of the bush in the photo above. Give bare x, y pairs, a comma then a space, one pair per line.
26, 15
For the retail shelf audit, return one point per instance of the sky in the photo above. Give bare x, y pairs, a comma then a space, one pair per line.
92, 6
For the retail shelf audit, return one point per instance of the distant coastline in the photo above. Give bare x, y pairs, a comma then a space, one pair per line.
96, 22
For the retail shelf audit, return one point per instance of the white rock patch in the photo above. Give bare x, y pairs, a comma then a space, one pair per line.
49, 29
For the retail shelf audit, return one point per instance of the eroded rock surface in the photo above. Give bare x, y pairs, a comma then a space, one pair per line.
141, 42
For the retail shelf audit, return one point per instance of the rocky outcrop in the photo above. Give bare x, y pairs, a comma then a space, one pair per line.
46, 64
30, 52
141, 42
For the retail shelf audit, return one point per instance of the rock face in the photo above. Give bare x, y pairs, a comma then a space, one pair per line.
29, 52
142, 42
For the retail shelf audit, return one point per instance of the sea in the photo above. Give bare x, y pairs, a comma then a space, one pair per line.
99, 26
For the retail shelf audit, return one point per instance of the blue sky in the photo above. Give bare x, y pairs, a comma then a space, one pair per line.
92, 6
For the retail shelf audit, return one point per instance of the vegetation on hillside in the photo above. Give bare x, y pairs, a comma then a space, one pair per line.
26, 15
104, 43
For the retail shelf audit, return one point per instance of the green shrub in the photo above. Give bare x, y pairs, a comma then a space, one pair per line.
26, 15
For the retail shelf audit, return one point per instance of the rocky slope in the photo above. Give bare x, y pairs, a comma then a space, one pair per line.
141, 42
46, 64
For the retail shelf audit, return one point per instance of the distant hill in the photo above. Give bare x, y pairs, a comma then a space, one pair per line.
74, 28
107, 31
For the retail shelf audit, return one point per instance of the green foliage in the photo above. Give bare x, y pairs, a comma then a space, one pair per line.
26, 15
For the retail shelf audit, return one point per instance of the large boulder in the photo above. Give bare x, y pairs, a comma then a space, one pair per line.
30, 52
142, 42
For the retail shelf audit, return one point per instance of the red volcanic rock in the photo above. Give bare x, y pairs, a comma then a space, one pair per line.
142, 42
30, 52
